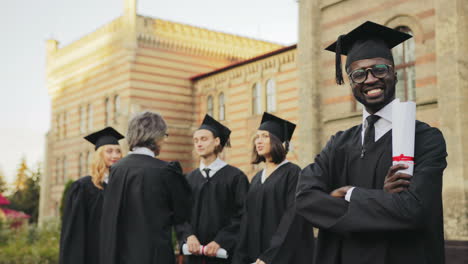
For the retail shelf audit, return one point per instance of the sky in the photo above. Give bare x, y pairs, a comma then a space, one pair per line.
25, 25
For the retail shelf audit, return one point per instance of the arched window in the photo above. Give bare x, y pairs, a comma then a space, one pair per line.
271, 95
116, 108
57, 170
80, 165
222, 108
404, 58
64, 168
82, 119
90, 117
88, 162
107, 111
256, 99
209, 105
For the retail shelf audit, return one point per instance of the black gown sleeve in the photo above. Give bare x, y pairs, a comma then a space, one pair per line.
73, 233
240, 254
376, 210
227, 237
286, 222
313, 200
372, 209
179, 193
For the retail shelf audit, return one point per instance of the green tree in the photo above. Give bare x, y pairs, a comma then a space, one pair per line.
3, 184
21, 175
26, 194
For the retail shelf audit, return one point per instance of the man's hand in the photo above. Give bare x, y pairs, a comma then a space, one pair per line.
193, 245
211, 249
395, 181
340, 192
259, 261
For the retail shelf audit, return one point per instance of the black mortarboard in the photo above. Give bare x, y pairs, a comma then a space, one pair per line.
106, 136
283, 129
369, 40
218, 129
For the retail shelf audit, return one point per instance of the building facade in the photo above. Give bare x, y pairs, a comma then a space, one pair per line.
138, 63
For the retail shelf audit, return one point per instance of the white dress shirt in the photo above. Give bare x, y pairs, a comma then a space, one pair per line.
264, 170
382, 126
214, 167
142, 151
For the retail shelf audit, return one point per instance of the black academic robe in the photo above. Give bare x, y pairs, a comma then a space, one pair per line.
375, 226
270, 228
216, 211
145, 197
79, 238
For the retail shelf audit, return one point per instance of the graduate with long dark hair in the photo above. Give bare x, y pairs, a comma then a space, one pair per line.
79, 239
271, 231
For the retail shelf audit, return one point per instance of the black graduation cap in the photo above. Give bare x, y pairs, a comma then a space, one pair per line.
283, 129
218, 129
369, 40
106, 136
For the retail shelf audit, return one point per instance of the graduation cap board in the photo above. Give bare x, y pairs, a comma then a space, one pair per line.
283, 129
367, 41
218, 129
106, 136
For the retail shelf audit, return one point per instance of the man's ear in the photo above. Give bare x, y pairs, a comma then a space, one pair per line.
217, 141
396, 77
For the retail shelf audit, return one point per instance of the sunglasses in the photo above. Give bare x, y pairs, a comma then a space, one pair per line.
378, 71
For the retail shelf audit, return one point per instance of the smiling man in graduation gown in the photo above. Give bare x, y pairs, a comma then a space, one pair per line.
365, 210
219, 191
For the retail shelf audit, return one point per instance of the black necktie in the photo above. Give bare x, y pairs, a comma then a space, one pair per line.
369, 134
207, 172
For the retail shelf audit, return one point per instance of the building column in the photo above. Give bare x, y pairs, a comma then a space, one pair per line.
452, 83
309, 124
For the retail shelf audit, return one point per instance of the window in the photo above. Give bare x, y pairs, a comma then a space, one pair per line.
209, 105
89, 161
90, 117
271, 95
116, 108
65, 120
57, 125
222, 108
80, 164
107, 111
404, 58
57, 170
82, 119
64, 169
256, 99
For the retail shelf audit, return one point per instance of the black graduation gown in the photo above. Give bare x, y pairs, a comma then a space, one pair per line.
79, 238
270, 228
216, 211
375, 226
145, 197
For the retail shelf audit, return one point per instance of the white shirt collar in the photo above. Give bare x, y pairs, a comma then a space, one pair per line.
383, 125
106, 178
279, 165
142, 151
385, 113
214, 167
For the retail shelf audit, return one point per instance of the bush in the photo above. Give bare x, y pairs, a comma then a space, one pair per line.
30, 244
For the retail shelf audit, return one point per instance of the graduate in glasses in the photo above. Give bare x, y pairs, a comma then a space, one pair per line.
219, 191
271, 231
366, 210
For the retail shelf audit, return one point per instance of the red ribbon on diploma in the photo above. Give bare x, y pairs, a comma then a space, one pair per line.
403, 158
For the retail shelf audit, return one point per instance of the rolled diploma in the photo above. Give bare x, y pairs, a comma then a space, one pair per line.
222, 253
403, 132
